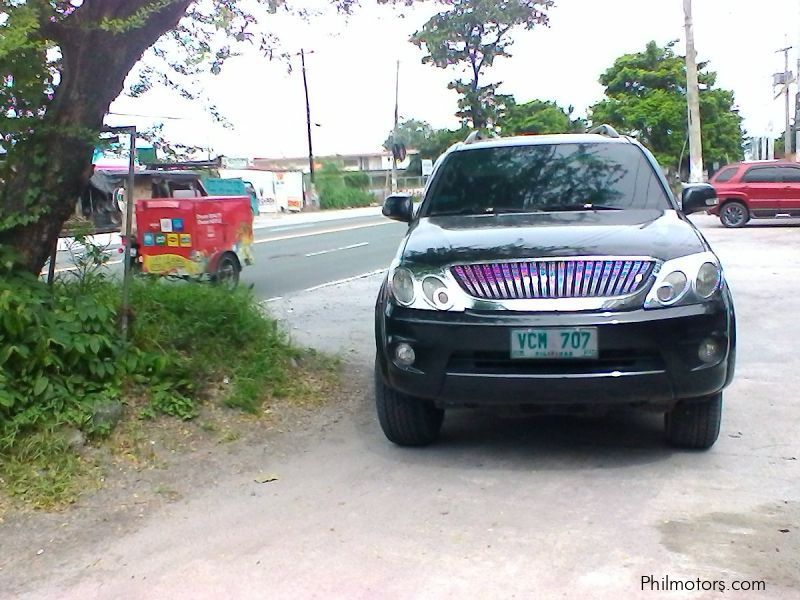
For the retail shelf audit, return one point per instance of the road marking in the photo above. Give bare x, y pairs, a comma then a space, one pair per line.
275, 299
65, 269
322, 232
345, 280
350, 247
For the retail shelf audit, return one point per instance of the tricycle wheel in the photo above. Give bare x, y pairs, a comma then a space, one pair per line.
227, 274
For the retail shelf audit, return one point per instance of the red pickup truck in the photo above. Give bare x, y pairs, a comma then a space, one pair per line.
751, 190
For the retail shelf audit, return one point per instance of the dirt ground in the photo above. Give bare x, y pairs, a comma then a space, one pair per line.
527, 508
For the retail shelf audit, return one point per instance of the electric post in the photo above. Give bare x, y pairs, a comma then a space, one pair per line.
693, 100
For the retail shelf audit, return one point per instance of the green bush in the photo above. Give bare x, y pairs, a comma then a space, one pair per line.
58, 353
61, 356
357, 180
341, 189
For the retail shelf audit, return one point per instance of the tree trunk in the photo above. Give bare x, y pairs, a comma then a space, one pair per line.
48, 170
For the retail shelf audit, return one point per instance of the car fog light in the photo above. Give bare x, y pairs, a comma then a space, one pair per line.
710, 351
404, 355
673, 287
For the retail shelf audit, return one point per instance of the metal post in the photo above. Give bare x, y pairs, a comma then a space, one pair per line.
308, 119
129, 212
693, 99
394, 131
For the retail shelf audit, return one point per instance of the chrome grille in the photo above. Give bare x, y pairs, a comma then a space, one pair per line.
553, 279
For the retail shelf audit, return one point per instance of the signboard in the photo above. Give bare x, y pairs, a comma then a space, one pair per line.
427, 167
235, 163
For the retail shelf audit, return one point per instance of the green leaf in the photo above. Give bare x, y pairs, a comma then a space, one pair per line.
40, 386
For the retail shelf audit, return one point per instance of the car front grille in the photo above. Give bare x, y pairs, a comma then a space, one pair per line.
553, 278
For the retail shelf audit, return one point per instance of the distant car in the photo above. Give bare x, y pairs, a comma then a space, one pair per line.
553, 273
752, 190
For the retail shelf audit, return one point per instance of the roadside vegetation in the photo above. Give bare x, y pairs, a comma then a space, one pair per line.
66, 378
342, 189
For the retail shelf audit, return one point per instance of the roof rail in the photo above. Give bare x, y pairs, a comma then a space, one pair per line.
479, 136
606, 130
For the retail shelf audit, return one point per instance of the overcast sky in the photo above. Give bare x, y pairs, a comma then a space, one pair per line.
351, 72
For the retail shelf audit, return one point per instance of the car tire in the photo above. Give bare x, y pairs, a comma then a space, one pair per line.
228, 270
405, 420
694, 424
734, 214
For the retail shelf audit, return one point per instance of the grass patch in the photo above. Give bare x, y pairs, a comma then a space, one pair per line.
63, 364
41, 471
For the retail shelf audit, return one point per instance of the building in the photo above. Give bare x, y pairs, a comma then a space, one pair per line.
366, 161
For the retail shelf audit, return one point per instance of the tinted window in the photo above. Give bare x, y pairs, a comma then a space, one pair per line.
725, 175
762, 175
790, 174
545, 177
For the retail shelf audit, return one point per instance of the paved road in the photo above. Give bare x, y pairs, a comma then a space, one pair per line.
292, 258
533, 508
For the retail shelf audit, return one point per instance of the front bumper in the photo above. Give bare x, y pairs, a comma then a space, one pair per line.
646, 357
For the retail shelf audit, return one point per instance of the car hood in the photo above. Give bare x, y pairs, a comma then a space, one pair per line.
664, 235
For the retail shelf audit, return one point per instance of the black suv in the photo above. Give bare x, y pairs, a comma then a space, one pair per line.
553, 273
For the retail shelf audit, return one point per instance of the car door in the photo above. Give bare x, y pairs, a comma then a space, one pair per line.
763, 187
790, 194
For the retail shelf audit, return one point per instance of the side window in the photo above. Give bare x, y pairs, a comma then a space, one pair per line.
762, 175
790, 174
725, 175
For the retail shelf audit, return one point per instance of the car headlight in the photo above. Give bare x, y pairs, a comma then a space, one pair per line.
425, 288
672, 288
689, 279
708, 279
436, 293
403, 286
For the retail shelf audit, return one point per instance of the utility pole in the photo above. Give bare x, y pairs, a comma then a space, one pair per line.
693, 99
394, 131
785, 78
308, 124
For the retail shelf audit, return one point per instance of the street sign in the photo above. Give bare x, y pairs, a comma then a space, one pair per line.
427, 167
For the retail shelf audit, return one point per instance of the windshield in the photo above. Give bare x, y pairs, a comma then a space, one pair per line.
546, 177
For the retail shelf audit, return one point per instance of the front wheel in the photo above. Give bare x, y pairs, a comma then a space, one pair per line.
734, 214
405, 420
695, 423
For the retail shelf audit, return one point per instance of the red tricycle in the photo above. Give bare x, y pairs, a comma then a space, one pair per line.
197, 237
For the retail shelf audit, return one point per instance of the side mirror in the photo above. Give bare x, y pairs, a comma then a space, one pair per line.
698, 197
398, 207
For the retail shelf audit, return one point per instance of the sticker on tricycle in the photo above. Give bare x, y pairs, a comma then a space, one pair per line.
171, 264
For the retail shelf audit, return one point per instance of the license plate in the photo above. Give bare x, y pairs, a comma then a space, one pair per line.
559, 342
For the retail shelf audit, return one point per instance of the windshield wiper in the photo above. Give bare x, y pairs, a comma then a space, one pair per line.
485, 212
456, 213
576, 207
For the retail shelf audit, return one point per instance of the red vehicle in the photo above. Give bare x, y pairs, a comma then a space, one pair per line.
751, 190
209, 236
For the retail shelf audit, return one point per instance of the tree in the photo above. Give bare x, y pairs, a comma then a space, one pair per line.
471, 35
412, 133
440, 140
63, 62
646, 97
538, 117
429, 142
